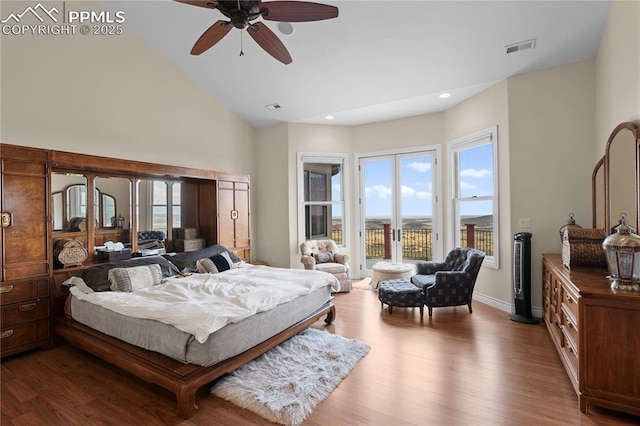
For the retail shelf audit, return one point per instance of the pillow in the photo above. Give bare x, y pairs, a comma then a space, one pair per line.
324, 257
186, 262
97, 277
218, 263
136, 278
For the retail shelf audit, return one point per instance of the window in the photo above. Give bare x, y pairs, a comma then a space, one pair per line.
474, 193
321, 195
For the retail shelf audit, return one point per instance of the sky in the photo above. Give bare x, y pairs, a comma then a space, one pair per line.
416, 183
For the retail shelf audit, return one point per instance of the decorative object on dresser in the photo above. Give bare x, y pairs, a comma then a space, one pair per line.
582, 247
287, 383
571, 224
623, 257
68, 252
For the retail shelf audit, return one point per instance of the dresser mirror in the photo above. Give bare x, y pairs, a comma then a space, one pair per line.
621, 176
69, 201
597, 191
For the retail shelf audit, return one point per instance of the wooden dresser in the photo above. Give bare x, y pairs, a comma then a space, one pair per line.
597, 334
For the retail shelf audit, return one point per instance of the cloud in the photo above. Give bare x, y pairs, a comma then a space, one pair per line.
407, 191
420, 166
422, 195
380, 191
467, 185
476, 174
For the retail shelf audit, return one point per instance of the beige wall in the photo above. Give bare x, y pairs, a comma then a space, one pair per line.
617, 64
114, 96
270, 190
551, 144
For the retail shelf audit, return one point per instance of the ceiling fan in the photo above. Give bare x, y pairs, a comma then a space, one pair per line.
242, 13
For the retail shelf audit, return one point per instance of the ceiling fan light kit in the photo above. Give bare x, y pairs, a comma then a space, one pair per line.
242, 13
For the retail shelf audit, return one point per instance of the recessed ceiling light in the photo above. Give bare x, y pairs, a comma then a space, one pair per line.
444, 95
329, 117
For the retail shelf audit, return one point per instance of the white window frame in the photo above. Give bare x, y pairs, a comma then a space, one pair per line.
325, 158
482, 137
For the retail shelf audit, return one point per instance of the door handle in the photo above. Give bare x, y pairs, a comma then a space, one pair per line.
399, 235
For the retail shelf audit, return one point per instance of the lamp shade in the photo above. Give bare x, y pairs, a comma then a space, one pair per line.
622, 250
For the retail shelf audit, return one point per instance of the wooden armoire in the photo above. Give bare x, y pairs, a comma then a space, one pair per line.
26, 250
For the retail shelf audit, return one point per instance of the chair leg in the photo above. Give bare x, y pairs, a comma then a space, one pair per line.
421, 311
430, 311
470, 310
390, 309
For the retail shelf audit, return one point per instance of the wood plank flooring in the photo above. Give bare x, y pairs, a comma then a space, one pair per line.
454, 369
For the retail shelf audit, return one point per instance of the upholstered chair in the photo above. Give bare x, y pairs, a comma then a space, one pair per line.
323, 255
449, 283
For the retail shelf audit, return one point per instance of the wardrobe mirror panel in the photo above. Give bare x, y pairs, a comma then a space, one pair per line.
69, 202
112, 209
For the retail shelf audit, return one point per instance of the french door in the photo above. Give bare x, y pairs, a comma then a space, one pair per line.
398, 198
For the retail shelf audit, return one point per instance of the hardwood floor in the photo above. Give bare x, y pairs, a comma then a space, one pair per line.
457, 368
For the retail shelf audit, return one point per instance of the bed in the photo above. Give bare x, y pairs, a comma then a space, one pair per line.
204, 340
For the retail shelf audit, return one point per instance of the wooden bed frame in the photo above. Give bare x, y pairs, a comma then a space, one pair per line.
182, 379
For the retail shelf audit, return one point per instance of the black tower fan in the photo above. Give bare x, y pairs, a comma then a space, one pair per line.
522, 279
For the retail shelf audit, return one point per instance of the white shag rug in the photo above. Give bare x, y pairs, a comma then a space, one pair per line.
287, 383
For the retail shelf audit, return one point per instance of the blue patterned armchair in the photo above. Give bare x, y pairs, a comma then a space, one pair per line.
449, 283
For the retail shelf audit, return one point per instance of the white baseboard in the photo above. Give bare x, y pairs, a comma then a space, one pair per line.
506, 307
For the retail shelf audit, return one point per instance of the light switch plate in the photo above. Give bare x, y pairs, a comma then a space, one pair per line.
524, 222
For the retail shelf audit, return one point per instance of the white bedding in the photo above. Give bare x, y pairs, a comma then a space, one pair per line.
203, 303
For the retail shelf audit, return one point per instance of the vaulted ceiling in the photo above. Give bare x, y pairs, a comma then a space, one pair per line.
378, 60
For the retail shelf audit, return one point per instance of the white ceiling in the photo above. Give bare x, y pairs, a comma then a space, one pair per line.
378, 60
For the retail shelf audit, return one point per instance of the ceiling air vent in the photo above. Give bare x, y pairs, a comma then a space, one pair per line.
523, 45
272, 107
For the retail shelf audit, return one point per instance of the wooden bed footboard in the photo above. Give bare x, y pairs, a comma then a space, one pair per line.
182, 379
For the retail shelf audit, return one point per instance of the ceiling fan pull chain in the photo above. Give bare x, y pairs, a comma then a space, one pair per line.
241, 51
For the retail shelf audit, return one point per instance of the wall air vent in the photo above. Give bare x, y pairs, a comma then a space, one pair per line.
523, 45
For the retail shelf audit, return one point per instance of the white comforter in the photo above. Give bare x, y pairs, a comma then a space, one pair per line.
203, 303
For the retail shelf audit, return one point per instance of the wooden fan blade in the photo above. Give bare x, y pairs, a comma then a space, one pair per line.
269, 42
214, 34
209, 4
297, 11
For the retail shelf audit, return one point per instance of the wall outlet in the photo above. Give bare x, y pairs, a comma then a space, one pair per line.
524, 222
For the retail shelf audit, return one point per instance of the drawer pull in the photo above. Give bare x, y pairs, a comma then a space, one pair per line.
6, 288
569, 323
7, 333
29, 307
570, 299
569, 348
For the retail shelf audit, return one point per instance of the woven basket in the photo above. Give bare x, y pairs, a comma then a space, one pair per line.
67, 252
188, 245
583, 248
185, 233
